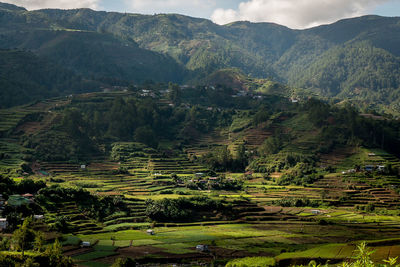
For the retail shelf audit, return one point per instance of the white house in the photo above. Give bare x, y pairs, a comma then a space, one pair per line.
85, 244
38, 217
150, 232
3, 223
202, 248
316, 212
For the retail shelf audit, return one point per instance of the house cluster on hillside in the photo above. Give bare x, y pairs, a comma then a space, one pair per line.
147, 93
114, 89
367, 168
16, 201
243, 93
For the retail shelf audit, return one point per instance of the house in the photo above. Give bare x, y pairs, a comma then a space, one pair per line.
294, 100
28, 196
83, 166
369, 168
43, 173
380, 168
199, 174
85, 244
3, 223
202, 248
38, 217
150, 232
17, 200
316, 212
213, 178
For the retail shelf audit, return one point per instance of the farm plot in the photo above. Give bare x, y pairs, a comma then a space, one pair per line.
267, 238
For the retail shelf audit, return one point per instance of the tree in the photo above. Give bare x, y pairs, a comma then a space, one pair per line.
24, 237
241, 157
271, 145
61, 223
127, 262
39, 241
55, 256
13, 219
4, 243
146, 136
174, 93
30, 262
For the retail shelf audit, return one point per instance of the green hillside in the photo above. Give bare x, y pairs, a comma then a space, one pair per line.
25, 77
361, 52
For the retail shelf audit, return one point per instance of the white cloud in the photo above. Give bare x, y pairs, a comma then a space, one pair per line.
295, 13
63, 4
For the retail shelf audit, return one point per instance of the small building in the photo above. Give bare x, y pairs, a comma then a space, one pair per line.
17, 200
85, 244
202, 248
3, 223
213, 178
316, 212
38, 217
28, 196
150, 232
380, 168
199, 174
83, 166
369, 168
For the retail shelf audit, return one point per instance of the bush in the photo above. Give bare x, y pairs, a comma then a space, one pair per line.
297, 202
181, 209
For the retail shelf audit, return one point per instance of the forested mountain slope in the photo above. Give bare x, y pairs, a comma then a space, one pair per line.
25, 77
356, 58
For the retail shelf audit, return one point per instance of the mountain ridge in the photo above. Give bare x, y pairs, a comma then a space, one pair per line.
193, 48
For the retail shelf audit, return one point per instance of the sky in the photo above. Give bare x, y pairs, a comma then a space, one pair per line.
296, 14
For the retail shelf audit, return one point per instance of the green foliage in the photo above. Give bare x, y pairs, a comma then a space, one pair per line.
271, 145
251, 261
127, 262
93, 206
24, 237
181, 209
297, 202
55, 258
146, 136
221, 159
301, 174
356, 70
24, 77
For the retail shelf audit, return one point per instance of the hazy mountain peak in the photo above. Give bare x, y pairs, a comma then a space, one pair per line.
11, 7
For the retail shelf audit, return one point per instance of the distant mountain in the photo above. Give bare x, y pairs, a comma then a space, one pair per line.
353, 58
